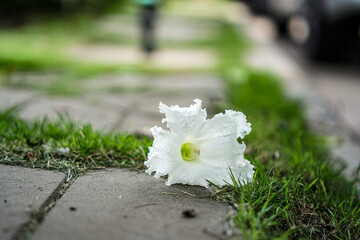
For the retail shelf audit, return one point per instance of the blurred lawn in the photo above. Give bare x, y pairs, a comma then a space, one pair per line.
40, 47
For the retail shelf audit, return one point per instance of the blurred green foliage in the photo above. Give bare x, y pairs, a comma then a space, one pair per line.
17, 12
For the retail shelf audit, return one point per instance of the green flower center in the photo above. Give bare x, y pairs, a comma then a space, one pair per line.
189, 152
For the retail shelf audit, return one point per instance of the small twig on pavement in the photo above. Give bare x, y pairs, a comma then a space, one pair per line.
190, 194
212, 234
168, 193
145, 205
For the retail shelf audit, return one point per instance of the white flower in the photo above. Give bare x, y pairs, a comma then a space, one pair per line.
63, 151
197, 149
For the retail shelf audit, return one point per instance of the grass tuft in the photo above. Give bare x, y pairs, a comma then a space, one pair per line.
43, 143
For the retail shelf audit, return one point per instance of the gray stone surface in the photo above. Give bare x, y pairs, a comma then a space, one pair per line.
341, 87
127, 110
349, 150
167, 27
22, 191
10, 97
178, 59
84, 110
119, 204
150, 84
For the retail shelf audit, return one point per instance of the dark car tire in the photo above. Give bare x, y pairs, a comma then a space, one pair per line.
317, 46
327, 41
258, 7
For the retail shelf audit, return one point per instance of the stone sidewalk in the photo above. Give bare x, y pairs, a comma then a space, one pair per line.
107, 204
133, 109
24, 192
119, 204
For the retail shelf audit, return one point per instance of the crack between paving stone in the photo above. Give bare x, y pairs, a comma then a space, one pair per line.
37, 216
124, 115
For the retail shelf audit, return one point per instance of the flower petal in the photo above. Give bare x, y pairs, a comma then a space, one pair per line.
219, 145
199, 173
164, 155
184, 120
222, 124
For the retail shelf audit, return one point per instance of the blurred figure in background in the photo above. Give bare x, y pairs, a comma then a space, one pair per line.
148, 14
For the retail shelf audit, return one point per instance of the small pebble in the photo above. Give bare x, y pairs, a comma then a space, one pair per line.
189, 213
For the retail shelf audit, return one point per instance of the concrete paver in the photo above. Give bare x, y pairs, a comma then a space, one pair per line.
30, 79
146, 113
164, 58
10, 97
147, 84
79, 109
167, 27
22, 191
119, 204
127, 110
340, 87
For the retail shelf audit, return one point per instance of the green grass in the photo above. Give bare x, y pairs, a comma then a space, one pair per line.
230, 46
299, 191
38, 144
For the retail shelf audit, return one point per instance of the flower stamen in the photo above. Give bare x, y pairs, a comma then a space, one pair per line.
189, 152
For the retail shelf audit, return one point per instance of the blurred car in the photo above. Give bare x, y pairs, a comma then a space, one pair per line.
326, 29
279, 10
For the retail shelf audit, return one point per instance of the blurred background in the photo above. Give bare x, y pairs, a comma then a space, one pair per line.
87, 58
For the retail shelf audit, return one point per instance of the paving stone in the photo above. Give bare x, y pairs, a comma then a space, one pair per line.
182, 98
31, 79
187, 81
81, 110
349, 150
145, 114
182, 29
22, 191
167, 27
119, 204
183, 59
138, 122
164, 58
341, 87
140, 110
154, 83
117, 101
123, 81
10, 97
